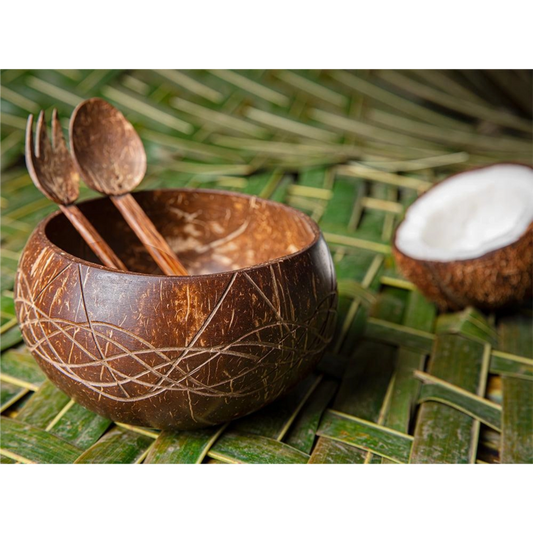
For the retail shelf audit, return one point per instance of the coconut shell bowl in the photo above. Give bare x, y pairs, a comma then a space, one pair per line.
469, 239
179, 352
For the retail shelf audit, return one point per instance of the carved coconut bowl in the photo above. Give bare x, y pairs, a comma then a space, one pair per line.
138, 347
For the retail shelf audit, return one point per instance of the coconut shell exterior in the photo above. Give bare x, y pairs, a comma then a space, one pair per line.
501, 278
179, 352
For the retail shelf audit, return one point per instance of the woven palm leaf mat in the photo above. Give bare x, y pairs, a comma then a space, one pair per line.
400, 383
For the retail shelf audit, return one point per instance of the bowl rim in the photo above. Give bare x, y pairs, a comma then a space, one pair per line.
40, 231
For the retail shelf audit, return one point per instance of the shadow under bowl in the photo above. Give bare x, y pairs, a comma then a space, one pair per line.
138, 347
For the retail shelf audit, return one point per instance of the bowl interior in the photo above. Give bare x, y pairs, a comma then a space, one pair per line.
211, 231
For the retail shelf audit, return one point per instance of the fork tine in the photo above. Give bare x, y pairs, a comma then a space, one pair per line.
32, 163
29, 149
43, 144
30, 146
57, 133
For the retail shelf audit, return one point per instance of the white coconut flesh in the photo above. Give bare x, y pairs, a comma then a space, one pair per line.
469, 215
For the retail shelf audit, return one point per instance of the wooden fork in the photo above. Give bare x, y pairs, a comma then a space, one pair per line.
53, 172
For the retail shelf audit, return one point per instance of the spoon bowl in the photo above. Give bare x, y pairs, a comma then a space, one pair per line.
107, 148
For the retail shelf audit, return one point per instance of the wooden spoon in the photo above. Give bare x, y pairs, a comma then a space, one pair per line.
111, 159
53, 172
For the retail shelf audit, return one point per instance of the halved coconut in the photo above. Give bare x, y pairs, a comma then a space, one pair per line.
469, 239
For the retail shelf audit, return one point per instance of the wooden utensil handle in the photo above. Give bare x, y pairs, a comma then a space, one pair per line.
151, 238
92, 237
